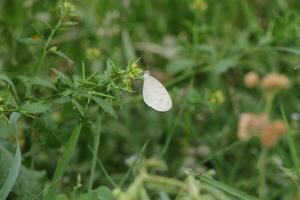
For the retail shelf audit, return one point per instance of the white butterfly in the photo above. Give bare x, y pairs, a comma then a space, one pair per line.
155, 94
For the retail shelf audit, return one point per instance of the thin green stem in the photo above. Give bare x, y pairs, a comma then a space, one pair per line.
45, 48
165, 181
83, 70
292, 145
269, 103
133, 165
294, 153
224, 187
106, 174
95, 151
172, 130
262, 174
263, 153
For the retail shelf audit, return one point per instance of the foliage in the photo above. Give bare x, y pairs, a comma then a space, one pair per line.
72, 71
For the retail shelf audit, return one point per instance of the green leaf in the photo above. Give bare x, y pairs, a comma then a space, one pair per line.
15, 168
63, 99
128, 47
64, 56
223, 65
63, 78
291, 143
109, 69
63, 163
14, 120
10, 83
227, 188
12, 174
35, 108
88, 196
289, 50
163, 196
104, 105
61, 197
29, 41
79, 107
104, 193
52, 135
42, 82
9, 99
179, 65
29, 181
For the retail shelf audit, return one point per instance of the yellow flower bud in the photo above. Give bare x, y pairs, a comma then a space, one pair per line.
53, 49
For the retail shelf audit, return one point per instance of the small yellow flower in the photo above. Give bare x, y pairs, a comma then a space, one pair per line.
130, 75
128, 83
134, 65
69, 8
135, 71
53, 49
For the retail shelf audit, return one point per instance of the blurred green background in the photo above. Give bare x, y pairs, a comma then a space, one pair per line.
199, 49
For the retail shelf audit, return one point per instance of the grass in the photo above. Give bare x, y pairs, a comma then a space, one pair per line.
63, 163
95, 152
65, 63
12, 175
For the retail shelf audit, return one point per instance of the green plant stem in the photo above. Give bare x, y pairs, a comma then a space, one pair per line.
95, 152
262, 174
62, 164
269, 103
293, 150
172, 130
233, 191
292, 145
45, 48
165, 181
263, 153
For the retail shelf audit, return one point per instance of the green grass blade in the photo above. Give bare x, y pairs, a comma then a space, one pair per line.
106, 174
291, 144
95, 151
62, 165
136, 161
289, 50
14, 120
16, 163
167, 143
12, 174
221, 151
227, 188
128, 47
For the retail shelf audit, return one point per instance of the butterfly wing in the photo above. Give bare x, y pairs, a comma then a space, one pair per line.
155, 94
